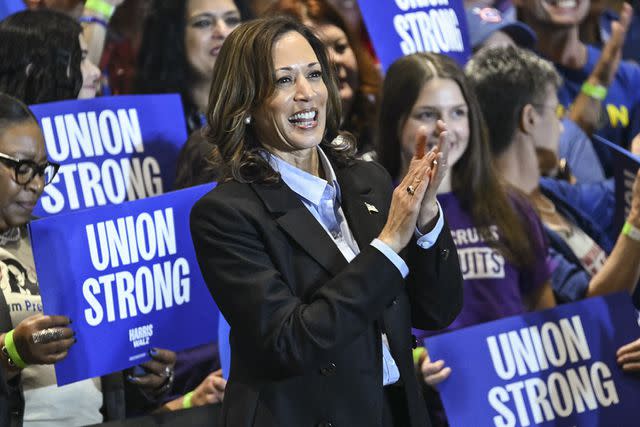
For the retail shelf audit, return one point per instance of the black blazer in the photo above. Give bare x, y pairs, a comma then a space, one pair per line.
305, 324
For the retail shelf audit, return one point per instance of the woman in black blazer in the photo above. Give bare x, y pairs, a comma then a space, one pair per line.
319, 266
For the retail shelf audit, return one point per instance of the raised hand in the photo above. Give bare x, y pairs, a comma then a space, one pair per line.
406, 202
586, 111
440, 166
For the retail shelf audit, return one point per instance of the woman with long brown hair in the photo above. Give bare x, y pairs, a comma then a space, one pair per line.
499, 239
299, 245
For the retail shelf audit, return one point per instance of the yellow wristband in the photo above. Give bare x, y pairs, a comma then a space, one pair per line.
597, 92
417, 353
186, 400
102, 7
12, 351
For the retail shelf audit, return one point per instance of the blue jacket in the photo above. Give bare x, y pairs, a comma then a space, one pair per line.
591, 207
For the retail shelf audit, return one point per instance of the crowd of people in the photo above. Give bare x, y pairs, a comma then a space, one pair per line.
490, 198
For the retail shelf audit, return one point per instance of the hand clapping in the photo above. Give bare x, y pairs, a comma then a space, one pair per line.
413, 203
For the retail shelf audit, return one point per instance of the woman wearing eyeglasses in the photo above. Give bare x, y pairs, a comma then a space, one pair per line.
28, 340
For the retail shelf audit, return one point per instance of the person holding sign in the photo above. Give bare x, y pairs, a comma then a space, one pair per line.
179, 47
587, 262
299, 244
498, 237
31, 342
44, 58
575, 216
557, 27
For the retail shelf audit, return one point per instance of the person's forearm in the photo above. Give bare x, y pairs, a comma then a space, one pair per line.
95, 19
586, 111
621, 272
174, 405
95, 35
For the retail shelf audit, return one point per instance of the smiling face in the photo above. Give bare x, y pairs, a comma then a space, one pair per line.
23, 141
293, 119
208, 23
556, 13
343, 59
439, 99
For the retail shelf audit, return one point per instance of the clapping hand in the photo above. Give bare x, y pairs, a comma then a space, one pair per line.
429, 209
413, 202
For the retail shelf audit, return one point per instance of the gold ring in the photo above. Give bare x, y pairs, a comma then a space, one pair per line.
411, 190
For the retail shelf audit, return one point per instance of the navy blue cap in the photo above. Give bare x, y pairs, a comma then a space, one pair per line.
484, 21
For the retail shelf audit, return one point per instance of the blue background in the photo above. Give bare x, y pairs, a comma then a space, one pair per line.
608, 323
378, 16
8, 7
161, 123
61, 272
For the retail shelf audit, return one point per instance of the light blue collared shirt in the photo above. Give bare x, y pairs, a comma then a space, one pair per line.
323, 199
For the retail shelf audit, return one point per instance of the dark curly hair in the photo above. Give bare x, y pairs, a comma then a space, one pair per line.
41, 56
162, 58
243, 81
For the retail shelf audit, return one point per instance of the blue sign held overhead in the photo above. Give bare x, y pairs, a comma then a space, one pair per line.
402, 27
112, 149
128, 278
554, 368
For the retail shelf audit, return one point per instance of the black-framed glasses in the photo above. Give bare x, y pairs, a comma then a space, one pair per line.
26, 170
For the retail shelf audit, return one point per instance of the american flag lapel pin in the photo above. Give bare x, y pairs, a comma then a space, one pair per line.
372, 209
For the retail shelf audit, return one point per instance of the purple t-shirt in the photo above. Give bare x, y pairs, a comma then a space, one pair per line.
493, 287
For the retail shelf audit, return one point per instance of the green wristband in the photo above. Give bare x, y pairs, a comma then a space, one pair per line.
12, 351
186, 400
597, 92
100, 6
630, 231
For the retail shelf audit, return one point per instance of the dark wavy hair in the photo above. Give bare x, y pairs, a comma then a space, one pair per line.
41, 56
361, 119
474, 179
13, 111
243, 81
162, 57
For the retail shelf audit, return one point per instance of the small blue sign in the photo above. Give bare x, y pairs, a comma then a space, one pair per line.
550, 368
128, 278
624, 173
112, 149
402, 27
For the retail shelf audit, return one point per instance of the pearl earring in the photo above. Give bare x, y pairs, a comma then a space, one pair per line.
247, 120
